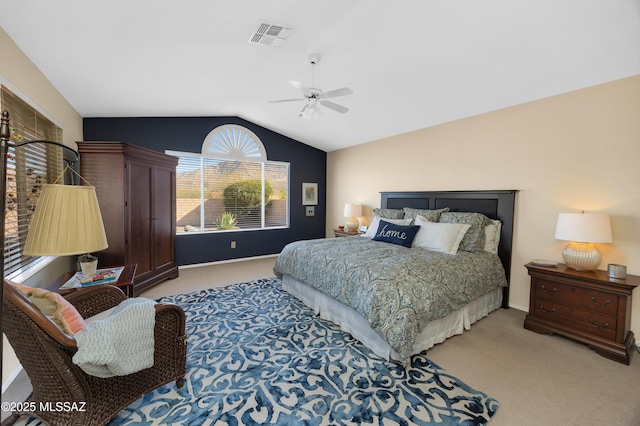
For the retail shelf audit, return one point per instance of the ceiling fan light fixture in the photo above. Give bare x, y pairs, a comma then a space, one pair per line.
310, 110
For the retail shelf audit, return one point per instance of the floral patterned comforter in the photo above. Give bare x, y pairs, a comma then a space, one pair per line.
397, 289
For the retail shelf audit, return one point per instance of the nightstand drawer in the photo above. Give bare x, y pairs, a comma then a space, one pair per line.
584, 298
591, 322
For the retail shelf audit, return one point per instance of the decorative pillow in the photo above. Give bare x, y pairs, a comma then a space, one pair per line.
53, 305
389, 213
492, 236
431, 215
473, 241
438, 236
396, 234
373, 228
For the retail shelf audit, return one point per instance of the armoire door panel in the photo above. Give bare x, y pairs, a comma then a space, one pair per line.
164, 217
140, 217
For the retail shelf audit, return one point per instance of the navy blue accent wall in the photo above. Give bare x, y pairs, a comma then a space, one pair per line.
307, 164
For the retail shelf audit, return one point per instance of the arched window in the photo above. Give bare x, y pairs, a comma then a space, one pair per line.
233, 142
230, 185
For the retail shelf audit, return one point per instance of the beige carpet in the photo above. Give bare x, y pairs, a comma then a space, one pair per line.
540, 379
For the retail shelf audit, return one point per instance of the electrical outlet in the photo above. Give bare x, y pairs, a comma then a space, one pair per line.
233, 244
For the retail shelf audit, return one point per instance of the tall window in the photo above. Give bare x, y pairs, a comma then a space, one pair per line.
231, 185
28, 168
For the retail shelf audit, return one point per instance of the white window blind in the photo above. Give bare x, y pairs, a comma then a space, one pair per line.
28, 168
255, 193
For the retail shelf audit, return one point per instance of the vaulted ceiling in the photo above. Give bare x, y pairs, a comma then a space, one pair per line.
410, 63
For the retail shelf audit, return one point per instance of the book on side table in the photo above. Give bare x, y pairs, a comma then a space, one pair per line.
102, 276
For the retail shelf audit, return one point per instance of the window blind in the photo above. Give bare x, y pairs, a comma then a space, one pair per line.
255, 193
28, 168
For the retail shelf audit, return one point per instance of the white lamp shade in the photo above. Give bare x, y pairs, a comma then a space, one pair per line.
67, 221
584, 227
352, 210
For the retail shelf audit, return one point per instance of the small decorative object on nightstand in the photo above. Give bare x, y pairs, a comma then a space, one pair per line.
344, 232
586, 306
88, 263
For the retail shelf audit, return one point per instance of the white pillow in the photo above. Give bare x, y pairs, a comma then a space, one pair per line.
492, 236
438, 236
373, 227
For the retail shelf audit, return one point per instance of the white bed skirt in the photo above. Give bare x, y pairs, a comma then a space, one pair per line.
353, 323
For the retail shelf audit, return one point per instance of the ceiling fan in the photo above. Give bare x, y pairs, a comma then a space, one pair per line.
315, 96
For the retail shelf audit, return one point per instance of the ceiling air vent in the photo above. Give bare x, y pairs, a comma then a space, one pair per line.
271, 34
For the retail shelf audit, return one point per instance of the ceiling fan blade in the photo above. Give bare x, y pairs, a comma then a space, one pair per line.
300, 87
331, 105
287, 100
337, 92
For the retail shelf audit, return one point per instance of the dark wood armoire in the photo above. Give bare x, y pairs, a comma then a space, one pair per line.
136, 189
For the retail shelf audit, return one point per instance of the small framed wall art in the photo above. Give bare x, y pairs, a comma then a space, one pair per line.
309, 194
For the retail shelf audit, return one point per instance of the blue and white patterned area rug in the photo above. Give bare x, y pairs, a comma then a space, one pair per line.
256, 355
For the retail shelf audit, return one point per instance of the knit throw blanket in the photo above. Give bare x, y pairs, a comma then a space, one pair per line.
120, 344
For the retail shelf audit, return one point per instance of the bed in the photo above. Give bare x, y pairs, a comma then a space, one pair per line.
400, 300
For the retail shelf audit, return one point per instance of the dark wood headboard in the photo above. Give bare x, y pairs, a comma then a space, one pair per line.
493, 204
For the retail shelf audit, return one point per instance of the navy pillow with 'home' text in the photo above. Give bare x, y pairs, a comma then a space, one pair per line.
396, 234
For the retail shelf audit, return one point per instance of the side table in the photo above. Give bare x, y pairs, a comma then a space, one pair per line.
586, 306
344, 233
124, 283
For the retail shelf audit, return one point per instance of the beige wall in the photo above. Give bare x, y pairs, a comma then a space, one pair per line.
576, 151
18, 72
22, 77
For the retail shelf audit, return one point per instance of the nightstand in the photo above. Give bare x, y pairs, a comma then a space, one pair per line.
586, 306
344, 233
124, 283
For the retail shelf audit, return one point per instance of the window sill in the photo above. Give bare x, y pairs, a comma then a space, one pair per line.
23, 274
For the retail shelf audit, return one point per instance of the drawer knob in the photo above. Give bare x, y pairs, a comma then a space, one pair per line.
548, 291
605, 325
606, 302
547, 311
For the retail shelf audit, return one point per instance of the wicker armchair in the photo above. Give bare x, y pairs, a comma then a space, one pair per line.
45, 352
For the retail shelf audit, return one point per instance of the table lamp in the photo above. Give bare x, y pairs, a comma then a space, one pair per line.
583, 229
352, 212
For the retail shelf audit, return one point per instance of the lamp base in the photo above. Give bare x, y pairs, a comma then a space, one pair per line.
352, 224
581, 256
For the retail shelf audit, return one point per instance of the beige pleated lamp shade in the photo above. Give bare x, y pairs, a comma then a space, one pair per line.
67, 221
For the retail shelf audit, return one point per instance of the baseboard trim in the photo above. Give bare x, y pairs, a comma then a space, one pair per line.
518, 307
11, 378
220, 262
